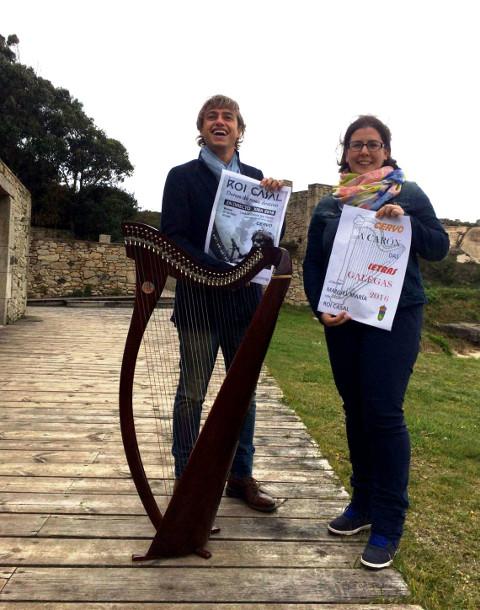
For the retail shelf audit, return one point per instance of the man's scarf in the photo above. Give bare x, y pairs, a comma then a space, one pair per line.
216, 165
370, 190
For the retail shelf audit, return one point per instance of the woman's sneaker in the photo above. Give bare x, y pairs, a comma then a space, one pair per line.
379, 552
349, 522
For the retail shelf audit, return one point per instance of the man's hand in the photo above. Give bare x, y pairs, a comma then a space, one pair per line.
330, 320
271, 184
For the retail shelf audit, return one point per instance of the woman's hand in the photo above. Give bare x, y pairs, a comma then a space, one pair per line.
390, 210
271, 184
329, 319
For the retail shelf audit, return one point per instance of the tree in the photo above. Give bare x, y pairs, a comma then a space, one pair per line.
102, 209
5, 45
94, 160
56, 150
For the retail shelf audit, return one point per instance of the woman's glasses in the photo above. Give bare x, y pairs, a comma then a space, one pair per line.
372, 145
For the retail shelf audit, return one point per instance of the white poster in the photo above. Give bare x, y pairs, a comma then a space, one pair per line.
367, 267
245, 215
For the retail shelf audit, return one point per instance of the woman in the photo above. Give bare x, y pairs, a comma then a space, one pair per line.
372, 366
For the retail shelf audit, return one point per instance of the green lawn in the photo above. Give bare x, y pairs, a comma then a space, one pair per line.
440, 553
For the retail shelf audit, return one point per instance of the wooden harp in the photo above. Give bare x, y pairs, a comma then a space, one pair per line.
185, 525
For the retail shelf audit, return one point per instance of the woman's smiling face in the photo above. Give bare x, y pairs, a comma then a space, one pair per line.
365, 160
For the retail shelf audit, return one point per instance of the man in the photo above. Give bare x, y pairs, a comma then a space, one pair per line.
188, 199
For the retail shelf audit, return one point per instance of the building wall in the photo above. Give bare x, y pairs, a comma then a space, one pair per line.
15, 215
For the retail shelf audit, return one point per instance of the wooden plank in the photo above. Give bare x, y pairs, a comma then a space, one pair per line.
47, 457
43, 484
241, 525
115, 447
28, 434
151, 460
21, 525
118, 471
60, 397
87, 411
90, 430
64, 397
232, 528
5, 574
201, 606
324, 489
263, 462
146, 430
201, 584
110, 504
225, 553
44, 436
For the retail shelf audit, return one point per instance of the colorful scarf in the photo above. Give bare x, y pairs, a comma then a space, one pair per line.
370, 190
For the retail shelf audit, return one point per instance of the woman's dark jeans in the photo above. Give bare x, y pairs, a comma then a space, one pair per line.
371, 368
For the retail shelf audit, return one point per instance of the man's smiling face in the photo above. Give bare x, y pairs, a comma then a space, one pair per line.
220, 132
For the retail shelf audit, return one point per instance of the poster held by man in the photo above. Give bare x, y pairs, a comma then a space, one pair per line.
244, 216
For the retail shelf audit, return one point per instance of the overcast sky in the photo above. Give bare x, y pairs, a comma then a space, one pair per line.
301, 72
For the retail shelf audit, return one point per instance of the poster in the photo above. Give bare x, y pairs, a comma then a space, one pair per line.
245, 215
367, 267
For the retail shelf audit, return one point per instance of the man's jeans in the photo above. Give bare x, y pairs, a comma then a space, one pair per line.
198, 352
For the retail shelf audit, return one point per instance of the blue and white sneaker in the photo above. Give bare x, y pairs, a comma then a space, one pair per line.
349, 522
379, 552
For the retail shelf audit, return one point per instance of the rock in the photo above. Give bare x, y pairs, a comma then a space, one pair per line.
463, 330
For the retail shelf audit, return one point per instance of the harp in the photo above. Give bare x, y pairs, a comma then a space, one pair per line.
185, 524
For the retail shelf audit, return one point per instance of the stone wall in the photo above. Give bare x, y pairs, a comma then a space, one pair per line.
299, 212
15, 214
61, 266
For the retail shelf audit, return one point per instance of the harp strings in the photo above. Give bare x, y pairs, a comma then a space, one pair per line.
210, 315
165, 346
212, 319
198, 358
155, 343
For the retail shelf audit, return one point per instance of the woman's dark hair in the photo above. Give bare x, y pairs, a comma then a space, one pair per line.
367, 120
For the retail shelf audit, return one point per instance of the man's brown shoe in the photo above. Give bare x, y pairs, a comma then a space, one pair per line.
248, 490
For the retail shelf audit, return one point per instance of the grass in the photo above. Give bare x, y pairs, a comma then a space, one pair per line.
440, 551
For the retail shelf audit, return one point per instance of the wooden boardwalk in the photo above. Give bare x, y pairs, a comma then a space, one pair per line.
70, 518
